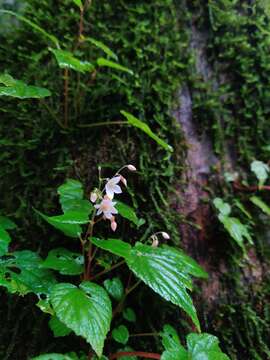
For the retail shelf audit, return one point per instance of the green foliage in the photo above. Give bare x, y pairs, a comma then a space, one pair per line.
18, 89
129, 315
261, 204
114, 288
128, 213
121, 334
64, 261
66, 60
113, 65
164, 269
58, 328
261, 171
199, 346
86, 310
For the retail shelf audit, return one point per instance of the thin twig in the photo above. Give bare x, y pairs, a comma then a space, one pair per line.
143, 354
103, 123
66, 81
107, 270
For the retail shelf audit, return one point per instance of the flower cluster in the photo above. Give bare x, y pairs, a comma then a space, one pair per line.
106, 207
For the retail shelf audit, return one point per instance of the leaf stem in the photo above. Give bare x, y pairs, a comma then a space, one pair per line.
107, 270
103, 123
66, 81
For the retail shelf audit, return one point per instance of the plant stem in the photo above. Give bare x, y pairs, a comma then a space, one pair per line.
144, 334
103, 123
143, 354
66, 81
52, 113
107, 270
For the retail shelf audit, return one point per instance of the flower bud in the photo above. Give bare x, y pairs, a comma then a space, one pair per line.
131, 168
155, 241
124, 180
113, 225
165, 235
93, 197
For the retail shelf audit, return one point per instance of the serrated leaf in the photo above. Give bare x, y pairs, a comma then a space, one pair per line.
69, 223
64, 261
129, 315
127, 212
261, 170
113, 65
163, 269
6, 223
114, 288
146, 129
85, 309
19, 89
34, 26
5, 240
224, 208
204, 346
102, 47
261, 204
121, 334
71, 197
58, 328
66, 60
21, 273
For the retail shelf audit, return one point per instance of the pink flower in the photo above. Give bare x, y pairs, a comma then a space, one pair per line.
112, 188
107, 208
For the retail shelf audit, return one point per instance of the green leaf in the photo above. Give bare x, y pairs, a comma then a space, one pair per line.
114, 288
6, 223
261, 170
204, 346
45, 306
164, 269
66, 60
22, 273
58, 328
261, 204
127, 212
145, 128
78, 3
53, 356
176, 354
129, 315
71, 197
236, 229
64, 261
113, 65
121, 334
5, 240
86, 310
68, 223
224, 208
102, 47
34, 26
115, 246
170, 339
18, 89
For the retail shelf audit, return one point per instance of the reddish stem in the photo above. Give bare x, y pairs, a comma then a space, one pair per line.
146, 355
238, 186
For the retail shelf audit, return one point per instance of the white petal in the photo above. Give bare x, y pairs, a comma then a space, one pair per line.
109, 192
107, 215
97, 206
117, 189
115, 180
113, 210
99, 212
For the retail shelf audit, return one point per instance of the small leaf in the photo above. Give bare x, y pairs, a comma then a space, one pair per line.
111, 64
204, 346
115, 246
224, 208
121, 334
5, 240
176, 354
58, 328
78, 3
114, 288
68, 223
18, 89
66, 60
127, 212
102, 46
45, 306
129, 315
34, 26
71, 197
145, 128
64, 261
261, 170
261, 204
6, 223
86, 310
170, 339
